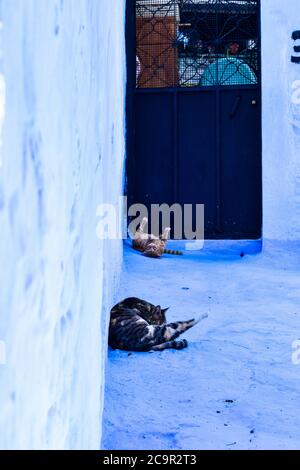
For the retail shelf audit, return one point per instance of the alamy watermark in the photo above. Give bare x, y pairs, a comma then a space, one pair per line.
296, 353
295, 100
2, 353
187, 221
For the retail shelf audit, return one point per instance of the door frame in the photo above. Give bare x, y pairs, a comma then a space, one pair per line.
131, 90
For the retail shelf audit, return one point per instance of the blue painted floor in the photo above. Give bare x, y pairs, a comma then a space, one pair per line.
235, 386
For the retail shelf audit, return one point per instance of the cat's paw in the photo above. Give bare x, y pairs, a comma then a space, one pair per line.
181, 344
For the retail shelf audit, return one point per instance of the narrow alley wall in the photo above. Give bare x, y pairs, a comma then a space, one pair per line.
63, 63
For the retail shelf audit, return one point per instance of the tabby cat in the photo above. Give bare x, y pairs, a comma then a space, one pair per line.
151, 245
136, 325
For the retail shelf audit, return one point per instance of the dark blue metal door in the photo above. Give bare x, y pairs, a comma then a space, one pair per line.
194, 110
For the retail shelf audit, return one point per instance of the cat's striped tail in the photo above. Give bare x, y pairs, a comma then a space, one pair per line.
173, 252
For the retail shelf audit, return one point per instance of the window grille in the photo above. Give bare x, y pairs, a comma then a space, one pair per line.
186, 43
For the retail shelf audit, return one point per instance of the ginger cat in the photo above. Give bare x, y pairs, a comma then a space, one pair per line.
151, 245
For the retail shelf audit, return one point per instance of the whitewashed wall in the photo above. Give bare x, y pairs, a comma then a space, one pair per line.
62, 155
281, 120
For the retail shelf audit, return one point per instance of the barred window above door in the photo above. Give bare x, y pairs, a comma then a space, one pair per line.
186, 43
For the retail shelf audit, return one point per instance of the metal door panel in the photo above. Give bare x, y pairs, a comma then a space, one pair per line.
240, 163
153, 169
197, 162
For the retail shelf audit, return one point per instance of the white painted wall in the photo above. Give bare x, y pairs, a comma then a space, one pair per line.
62, 155
281, 120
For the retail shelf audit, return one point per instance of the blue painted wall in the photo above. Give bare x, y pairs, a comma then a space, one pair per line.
281, 120
63, 62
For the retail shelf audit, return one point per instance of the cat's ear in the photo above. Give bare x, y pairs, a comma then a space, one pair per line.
166, 235
143, 223
164, 310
